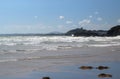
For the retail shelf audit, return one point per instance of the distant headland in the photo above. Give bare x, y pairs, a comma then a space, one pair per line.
114, 31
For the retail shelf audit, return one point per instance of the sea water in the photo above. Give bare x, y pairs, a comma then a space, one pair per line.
73, 72
14, 48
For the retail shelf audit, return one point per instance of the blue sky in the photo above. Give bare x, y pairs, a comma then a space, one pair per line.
44, 16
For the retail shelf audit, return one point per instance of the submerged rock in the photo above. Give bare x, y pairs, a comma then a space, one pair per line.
102, 67
46, 78
103, 75
86, 67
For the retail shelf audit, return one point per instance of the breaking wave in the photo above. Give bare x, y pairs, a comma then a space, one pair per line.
58, 42
18, 48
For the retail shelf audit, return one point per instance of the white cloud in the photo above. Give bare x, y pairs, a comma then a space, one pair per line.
61, 17
118, 20
84, 22
35, 17
90, 16
69, 22
99, 19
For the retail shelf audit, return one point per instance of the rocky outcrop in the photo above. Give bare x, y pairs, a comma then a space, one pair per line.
114, 31
81, 32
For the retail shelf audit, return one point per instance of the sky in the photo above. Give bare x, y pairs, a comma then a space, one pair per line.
44, 16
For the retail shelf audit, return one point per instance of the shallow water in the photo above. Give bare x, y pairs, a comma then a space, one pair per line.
73, 72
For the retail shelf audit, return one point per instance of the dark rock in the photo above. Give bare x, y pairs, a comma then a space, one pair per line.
86, 67
114, 31
102, 67
81, 32
103, 75
46, 78
84, 32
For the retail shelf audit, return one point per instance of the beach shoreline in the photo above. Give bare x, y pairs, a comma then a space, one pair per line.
49, 61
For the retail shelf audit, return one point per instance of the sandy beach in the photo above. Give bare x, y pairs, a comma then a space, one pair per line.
59, 39
58, 61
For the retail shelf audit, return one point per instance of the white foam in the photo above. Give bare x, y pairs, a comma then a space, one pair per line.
8, 60
104, 45
19, 45
56, 42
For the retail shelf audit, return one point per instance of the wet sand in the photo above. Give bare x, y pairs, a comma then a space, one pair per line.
62, 64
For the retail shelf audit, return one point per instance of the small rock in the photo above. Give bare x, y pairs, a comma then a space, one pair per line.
102, 67
86, 67
46, 78
103, 75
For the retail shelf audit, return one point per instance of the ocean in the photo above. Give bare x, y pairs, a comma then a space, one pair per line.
36, 56
15, 48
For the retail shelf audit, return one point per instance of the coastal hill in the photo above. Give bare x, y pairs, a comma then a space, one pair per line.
114, 31
84, 32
